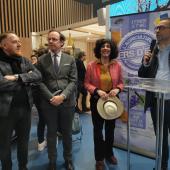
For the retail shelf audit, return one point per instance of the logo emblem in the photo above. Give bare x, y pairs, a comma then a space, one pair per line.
132, 48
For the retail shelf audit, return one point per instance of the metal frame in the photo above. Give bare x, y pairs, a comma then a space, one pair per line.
159, 130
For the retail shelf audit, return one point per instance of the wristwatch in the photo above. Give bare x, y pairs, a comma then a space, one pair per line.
16, 77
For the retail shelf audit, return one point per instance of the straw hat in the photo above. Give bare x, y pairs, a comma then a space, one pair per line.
111, 108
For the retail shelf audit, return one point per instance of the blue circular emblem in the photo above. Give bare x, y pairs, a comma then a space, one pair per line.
132, 48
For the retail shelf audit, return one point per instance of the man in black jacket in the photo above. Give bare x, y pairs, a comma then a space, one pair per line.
157, 65
16, 76
81, 71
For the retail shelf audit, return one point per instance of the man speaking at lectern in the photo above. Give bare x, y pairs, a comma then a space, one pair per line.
156, 64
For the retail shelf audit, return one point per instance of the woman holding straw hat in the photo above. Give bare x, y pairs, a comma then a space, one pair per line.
103, 80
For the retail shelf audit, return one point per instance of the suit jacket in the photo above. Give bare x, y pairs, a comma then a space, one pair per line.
81, 70
150, 72
65, 80
29, 74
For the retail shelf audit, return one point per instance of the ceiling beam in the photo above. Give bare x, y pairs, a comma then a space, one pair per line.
89, 31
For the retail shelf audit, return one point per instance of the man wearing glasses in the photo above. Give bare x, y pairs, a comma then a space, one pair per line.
156, 64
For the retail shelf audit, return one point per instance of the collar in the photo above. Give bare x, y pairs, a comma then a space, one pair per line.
113, 61
58, 54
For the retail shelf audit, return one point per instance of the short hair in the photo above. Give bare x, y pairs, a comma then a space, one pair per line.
80, 54
32, 56
100, 43
62, 37
166, 19
4, 35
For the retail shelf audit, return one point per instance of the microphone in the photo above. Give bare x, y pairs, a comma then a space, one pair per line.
152, 45
153, 50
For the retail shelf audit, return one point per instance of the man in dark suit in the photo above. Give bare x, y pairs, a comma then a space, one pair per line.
16, 76
59, 75
156, 64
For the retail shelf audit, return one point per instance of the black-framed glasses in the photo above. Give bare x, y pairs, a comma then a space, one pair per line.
161, 27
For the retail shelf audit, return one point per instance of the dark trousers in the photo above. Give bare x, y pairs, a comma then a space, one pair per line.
40, 127
83, 91
58, 117
41, 122
166, 128
19, 118
103, 148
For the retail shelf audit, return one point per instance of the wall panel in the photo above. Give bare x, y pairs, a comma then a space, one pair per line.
25, 16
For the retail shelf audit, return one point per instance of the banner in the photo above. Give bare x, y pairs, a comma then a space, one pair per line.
134, 34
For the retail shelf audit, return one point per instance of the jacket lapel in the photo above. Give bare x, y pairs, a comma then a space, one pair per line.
61, 62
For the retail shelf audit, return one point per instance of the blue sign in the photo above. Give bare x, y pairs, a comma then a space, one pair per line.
137, 6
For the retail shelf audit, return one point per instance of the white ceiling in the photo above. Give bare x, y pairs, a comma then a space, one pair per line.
89, 31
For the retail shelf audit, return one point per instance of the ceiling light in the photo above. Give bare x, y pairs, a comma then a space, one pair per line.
70, 42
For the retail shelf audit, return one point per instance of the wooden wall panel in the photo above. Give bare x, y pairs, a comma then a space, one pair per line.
12, 19
44, 12
26, 47
2, 16
26, 16
15, 28
28, 21
90, 53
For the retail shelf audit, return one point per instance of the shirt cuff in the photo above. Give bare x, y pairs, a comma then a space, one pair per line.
63, 96
16, 76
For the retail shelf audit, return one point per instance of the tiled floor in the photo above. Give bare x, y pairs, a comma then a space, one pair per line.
83, 156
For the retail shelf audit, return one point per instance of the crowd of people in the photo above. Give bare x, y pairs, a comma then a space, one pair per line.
56, 80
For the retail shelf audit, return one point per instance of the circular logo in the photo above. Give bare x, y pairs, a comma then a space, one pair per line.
132, 48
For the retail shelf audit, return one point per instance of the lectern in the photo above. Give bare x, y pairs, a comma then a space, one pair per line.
161, 89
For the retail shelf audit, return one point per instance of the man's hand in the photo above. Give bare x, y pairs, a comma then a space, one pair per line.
11, 77
57, 100
147, 57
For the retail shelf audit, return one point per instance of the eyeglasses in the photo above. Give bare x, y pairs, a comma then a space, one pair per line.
161, 27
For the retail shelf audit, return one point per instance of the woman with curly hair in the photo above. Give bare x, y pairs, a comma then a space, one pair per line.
103, 79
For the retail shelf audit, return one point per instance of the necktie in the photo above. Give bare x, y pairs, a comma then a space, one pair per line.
55, 64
